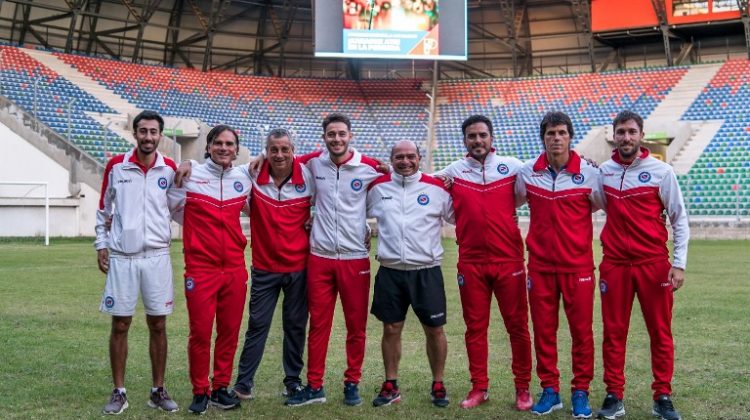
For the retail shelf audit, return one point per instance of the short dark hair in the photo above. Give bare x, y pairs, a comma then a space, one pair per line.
214, 133
336, 117
148, 115
554, 118
625, 116
476, 119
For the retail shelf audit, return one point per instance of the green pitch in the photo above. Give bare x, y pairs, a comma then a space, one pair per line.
54, 362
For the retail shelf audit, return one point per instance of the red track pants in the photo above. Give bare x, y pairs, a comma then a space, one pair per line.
351, 280
214, 295
477, 284
619, 284
577, 290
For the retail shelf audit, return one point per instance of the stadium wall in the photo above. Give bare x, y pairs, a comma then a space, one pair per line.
22, 207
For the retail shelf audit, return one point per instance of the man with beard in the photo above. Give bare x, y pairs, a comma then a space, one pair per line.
639, 189
132, 243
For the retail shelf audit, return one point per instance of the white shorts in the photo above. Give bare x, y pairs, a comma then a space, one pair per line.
150, 274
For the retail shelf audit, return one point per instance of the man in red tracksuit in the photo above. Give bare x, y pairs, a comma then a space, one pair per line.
562, 191
639, 190
490, 257
215, 276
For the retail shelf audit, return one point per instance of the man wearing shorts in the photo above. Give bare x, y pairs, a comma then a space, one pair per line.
134, 253
410, 208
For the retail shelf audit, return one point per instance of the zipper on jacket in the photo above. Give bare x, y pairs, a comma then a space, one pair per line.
403, 216
221, 211
145, 200
336, 211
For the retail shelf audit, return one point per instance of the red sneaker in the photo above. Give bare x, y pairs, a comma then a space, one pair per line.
523, 400
475, 398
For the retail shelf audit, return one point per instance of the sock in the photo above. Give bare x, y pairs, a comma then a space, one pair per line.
154, 389
121, 390
393, 382
435, 383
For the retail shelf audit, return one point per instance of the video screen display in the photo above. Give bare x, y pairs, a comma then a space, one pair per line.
412, 29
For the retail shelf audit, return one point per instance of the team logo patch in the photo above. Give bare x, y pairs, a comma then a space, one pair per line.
603, 286
189, 284
300, 188
356, 184
578, 179
109, 302
528, 283
423, 199
162, 182
644, 177
238, 186
503, 169
460, 278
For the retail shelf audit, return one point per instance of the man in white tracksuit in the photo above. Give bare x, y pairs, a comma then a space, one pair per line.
410, 207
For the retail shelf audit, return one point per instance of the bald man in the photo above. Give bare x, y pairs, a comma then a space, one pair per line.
410, 208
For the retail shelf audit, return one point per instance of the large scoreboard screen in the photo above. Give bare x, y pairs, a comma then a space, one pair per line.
413, 29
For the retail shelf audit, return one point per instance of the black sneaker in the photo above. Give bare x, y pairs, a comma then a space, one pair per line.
199, 405
664, 409
304, 396
221, 398
388, 395
351, 394
243, 393
439, 395
612, 408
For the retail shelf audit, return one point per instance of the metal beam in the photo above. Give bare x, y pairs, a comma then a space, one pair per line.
745, 16
148, 11
25, 25
661, 15
75, 8
582, 10
175, 17
93, 20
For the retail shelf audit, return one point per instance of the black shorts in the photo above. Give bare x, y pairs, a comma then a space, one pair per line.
423, 289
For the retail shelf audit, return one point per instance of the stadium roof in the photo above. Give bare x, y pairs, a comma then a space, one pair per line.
275, 37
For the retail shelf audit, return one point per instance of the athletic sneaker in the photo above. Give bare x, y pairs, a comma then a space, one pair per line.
351, 394
221, 398
243, 393
161, 400
475, 398
549, 401
439, 395
664, 409
199, 404
524, 402
305, 396
118, 402
612, 408
388, 395
580, 405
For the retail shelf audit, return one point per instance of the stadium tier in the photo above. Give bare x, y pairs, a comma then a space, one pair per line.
384, 111
517, 105
42, 92
719, 182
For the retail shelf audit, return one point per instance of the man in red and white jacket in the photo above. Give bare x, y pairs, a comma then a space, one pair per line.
279, 208
210, 202
562, 191
490, 257
639, 189
339, 261
133, 235
410, 208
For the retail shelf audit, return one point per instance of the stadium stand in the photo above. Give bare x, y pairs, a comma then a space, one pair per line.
49, 101
384, 111
719, 182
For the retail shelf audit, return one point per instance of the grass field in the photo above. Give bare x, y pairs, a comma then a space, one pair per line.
54, 363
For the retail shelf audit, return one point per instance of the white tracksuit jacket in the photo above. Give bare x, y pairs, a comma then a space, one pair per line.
410, 211
137, 203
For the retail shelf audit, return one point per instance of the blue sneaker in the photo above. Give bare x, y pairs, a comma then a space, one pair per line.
351, 394
580, 403
304, 396
549, 401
